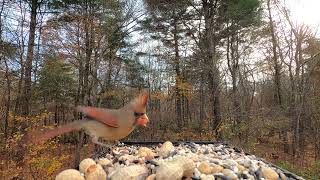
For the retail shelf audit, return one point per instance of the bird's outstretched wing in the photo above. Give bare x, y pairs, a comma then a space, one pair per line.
100, 115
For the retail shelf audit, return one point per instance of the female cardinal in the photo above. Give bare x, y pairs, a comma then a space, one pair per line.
109, 124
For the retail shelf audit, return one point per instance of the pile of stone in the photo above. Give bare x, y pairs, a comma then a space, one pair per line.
184, 161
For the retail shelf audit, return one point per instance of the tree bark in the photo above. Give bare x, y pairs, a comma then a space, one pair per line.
178, 77
8, 103
8, 81
202, 99
233, 66
276, 64
85, 93
209, 44
28, 65
27, 78
298, 92
317, 151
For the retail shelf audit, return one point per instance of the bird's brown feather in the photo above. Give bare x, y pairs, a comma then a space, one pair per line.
42, 135
100, 115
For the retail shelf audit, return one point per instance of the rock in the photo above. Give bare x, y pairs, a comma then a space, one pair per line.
154, 162
169, 171
175, 169
257, 173
246, 175
215, 160
116, 151
187, 165
151, 177
282, 176
186, 161
208, 177
216, 168
95, 172
206, 151
197, 173
231, 162
124, 151
146, 152
253, 167
189, 178
165, 149
130, 172
109, 170
104, 162
206, 168
230, 174
127, 157
241, 168
202, 176
69, 174
220, 177
245, 163
84, 164
269, 173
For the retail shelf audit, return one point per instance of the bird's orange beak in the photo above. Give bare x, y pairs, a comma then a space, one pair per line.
143, 120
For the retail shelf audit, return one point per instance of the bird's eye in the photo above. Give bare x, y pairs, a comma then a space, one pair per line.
137, 114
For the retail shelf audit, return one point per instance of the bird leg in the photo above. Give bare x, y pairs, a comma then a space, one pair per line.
95, 140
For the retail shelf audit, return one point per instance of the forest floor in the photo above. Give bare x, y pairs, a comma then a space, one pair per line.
304, 166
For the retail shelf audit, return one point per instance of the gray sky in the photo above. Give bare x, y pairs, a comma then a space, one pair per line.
305, 11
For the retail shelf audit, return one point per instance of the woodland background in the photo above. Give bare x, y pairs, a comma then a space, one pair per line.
241, 71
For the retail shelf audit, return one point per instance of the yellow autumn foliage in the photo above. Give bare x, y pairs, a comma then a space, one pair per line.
107, 94
47, 165
159, 95
33, 118
184, 86
40, 160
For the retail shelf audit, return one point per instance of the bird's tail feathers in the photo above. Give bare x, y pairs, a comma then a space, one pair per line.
42, 135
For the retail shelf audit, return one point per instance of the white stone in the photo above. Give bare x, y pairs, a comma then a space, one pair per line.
84, 164
69, 174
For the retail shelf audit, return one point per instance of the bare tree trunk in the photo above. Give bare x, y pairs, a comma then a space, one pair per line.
209, 44
85, 93
189, 114
18, 99
233, 66
8, 82
28, 65
95, 67
317, 151
292, 98
8, 103
276, 64
56, 119
178, 77
37, 57
202, 99
215, 99
108, 85
298, 94
17, 107
20, 154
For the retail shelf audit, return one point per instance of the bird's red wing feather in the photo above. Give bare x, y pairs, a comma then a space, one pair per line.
99, 115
